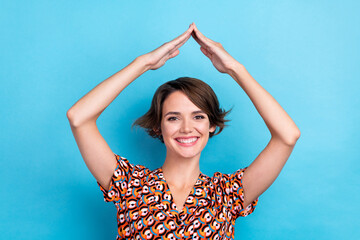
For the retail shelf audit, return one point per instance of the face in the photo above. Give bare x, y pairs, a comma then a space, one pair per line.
185, 128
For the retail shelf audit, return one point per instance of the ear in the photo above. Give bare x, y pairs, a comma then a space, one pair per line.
212, 129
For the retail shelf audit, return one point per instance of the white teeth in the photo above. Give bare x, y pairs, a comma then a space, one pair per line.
189, 140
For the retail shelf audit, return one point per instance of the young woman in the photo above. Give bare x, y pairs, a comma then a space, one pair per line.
177, 201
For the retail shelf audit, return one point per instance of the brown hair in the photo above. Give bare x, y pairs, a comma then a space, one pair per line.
200, 93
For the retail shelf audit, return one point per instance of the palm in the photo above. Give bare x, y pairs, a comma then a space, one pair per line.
159, 56
218, 61
221, 59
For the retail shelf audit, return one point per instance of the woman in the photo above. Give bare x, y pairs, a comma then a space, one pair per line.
184, 114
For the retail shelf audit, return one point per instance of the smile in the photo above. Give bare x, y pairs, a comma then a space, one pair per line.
187, 141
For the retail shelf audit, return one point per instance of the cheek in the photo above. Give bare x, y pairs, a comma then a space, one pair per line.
168, 129
204, 128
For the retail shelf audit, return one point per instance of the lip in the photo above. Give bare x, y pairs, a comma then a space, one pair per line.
187, 137
187, 144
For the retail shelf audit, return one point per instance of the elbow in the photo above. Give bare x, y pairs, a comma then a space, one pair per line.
288, 139
70, 116
292, 138
76, 120
297, 134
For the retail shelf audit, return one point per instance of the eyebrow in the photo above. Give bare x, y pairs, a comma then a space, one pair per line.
178, 113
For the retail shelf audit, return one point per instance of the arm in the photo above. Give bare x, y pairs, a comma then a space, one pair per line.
83, 114
263, 171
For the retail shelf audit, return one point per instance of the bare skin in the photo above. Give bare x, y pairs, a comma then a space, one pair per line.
82, 116
263, 171
181, 170
183, 120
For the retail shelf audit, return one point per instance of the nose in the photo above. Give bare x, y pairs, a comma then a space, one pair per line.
186, 126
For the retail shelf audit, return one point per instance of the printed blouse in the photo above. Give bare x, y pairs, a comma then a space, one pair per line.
146, 210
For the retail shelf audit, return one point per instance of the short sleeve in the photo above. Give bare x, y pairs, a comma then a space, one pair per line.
237, 195
119, 180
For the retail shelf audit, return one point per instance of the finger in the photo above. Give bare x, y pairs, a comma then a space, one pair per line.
182, 42
201, 38
183, 37
203, 44
174, 48
168, 48
205, 52
197, 39
174, 54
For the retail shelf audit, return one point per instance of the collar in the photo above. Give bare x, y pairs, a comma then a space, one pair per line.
199, 196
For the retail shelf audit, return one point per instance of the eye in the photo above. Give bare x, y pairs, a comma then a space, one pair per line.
198, 117
172, 118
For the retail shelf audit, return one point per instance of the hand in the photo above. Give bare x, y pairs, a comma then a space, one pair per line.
221, 59
159, 56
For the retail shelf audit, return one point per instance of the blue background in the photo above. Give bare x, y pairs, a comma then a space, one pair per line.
304, 53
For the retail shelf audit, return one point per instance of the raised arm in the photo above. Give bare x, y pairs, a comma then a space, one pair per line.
83, 114
263, 171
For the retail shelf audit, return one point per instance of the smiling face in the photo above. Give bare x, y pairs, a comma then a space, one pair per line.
184, 127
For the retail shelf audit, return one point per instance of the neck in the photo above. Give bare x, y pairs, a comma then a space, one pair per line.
181, 172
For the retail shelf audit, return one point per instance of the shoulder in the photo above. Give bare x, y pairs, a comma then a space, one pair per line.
223, 178
134, 170
225, 184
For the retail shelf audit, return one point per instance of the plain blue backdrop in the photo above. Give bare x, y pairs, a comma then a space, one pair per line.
304, 53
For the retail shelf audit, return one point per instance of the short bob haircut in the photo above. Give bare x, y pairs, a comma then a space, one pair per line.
200, 93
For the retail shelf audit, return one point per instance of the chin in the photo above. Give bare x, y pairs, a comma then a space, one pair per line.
189, 153
186, 152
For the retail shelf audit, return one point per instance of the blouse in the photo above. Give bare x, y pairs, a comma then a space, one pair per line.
146, 210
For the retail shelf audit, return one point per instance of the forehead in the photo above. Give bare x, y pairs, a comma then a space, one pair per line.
179, 102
